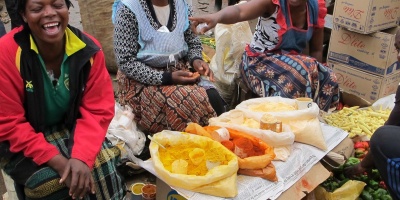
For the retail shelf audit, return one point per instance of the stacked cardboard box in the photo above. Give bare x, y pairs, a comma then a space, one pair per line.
361, 49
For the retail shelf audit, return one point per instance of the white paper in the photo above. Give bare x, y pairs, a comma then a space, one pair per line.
302, 159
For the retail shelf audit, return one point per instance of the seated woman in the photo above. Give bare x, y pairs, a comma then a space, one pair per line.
154, 48
273, 63
56, 102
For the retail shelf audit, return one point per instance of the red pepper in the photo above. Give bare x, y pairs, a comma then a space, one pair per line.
339, 106
382, 184
366, 144
358, 145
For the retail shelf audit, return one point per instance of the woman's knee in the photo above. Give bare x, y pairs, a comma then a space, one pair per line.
385, 136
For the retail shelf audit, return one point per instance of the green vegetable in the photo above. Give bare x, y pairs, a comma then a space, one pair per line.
379, 193
351, 161
373, 184
366, 195
386, 197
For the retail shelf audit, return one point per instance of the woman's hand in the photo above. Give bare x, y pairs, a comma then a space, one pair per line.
203, 69
81, 180
184, 78
58, 163
210, 19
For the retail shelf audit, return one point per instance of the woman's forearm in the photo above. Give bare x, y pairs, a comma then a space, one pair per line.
245, 11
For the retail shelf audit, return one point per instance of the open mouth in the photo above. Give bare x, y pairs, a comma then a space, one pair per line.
52, 28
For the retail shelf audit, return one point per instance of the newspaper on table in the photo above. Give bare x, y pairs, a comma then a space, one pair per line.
302, 159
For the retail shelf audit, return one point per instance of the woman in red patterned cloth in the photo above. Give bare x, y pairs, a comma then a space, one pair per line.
273, 63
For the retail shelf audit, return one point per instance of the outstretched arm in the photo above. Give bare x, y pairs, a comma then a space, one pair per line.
236, 13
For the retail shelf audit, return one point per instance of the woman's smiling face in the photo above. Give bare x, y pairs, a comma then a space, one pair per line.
47, 19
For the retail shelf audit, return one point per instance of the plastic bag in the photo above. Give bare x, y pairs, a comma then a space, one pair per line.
385, 103
349, 191
219, 181
124, 133
259, 165
304, 123
231, 40
281, 142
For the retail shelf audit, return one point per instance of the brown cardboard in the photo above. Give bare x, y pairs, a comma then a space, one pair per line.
365, 85
373, 53
367, 16
307, 183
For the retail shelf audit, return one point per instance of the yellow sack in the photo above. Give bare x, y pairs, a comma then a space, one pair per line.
219, 180
349, 191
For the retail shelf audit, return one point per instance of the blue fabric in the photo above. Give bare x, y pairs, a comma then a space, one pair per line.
394, 175
295, 39
115, 7
2, 29
157, 47
289, 76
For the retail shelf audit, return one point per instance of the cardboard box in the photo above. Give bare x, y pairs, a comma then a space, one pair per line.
373, 53
367, 16
364, 85
317, 174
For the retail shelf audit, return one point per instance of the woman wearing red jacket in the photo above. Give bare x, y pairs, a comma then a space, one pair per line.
56, 102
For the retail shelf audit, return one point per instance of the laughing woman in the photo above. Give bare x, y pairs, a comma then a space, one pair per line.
56, 104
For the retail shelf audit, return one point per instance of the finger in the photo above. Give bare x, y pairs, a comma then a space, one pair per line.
74, 184
187, 80
187, 74
211, 76
81, 189
65, 174
207, 69
194, 23
85, 187
92, 186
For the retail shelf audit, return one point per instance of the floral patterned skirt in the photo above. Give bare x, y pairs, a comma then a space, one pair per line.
165, 107
290, 76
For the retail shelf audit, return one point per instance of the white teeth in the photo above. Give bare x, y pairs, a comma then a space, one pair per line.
50, 24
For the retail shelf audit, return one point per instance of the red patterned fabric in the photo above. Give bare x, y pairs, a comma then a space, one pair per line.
166, 107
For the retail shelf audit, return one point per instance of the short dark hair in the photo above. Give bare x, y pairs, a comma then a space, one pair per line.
21, 4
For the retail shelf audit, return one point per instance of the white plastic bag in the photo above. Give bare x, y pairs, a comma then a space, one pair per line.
230, 40
124, 133
281, 142
304, 123
385, 103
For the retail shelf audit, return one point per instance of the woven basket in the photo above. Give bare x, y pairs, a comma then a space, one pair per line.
96, 20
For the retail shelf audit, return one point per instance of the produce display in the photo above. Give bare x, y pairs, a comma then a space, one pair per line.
209, 41
362, 122
194, 163
254, 155
375, 188
191, 158
304, 123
